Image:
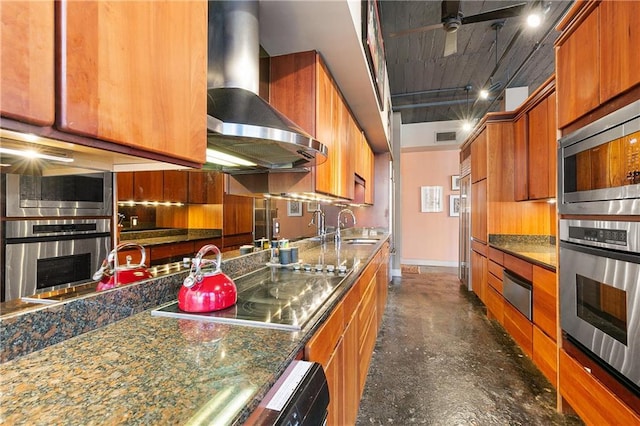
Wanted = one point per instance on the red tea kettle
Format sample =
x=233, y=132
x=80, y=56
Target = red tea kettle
x=207, y=291
x=112, y=275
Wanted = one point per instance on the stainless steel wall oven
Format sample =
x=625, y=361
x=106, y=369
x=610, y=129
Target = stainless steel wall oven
x=599, y=166
x=600, y=293
x=44, y=255
x=88, y=194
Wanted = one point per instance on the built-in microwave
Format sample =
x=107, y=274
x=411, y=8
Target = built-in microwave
x=68, y=195
x=599, y=166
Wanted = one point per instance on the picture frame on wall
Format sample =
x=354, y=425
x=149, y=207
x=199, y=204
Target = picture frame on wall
x=294, y=208
x=454, y=205
x=312, y=206
x=455, y=183
x=374, y=46
x=430, y=199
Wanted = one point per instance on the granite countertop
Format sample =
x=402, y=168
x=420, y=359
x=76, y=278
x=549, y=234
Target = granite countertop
x=158, y=237
x=153, y=370
x=537, y=249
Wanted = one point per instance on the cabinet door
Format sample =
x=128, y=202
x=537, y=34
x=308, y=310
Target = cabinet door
x=521, y=160
x=124, y=181
x=134, y=73
x=206, y=187
x=27, y=61
x=479, y=157
x=324, y=129
x=619, y=38
x=577, y=75
x=148, y=186
x=335, y=381
x=237, y=215
x=175, y=186
x=538, y=149
x=545, y=301
x=479, y=275
x=351, y=394
x=479, y=210
x=552, y=144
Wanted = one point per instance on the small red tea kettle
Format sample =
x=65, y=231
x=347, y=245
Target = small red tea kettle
x=207, y=291
x=112, y=275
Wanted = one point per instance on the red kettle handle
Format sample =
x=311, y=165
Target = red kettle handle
x=195, y=273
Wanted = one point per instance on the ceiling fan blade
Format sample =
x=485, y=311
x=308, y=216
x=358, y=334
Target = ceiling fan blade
x=417, y=30
x=495, y=14
x=450, y=43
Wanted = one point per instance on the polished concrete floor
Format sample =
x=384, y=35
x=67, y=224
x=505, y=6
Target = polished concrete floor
x=438, y=360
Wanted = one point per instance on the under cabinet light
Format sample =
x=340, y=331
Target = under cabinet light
x=30, y=153
x=217, y=157
x=131, y=203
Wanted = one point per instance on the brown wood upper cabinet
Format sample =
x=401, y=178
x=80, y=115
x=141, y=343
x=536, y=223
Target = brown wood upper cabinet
x=205, y=187
x=535, y=152
x=27, y=61
x=594, y=62
x=479, y=157
x=134, y=73
x=168, y=185
x=302, y=89
x=364, y=165
x=237, y=215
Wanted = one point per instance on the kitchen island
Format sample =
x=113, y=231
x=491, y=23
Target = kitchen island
x=153, y=370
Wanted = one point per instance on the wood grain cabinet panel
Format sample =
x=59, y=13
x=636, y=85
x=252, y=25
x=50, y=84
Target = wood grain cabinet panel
x=206, y=187
x=134, y=73
x=521, y=159
x=174, y=250
x=619, y=37
x=538, y=151
x=351, y=394
x=519, y=327
x=124, y=182
x=237, y=217
x=495, y=305
x=579, y=55
x=479, y=211
x=519, y=266
x=478, y=275
x=148, y=186
x=594, y=403
x=175, y=186
x=495, y=282
x=545, y=355
x=321, y=346
x=27, y=82
x=479, y=157
x=545, y=301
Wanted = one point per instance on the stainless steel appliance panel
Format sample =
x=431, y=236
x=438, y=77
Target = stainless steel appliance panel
x=45, y=255
x=517, y=291
x=464, y=267
x=599, y=166
x=599, y=295
x=68, y=195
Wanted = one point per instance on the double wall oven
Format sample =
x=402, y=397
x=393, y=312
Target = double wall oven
x=599, y=257
x=56, y=230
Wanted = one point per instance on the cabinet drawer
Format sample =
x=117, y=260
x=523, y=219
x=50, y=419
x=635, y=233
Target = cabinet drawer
x=496, y=255
x=479, y=247
x=324, y=341
x=367, y=306
x=593, y=402
x=496, y=270
x=352, y=300
x=545, y=355
x=519, y=266
x=495, y=305
x=495, y=282
x=545, y=301
x=171, y=250
x=519, y=328
x=368, y=339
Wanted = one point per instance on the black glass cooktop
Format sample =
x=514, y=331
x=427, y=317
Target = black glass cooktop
x=271, y=297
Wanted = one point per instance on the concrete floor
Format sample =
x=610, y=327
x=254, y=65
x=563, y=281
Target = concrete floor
x=438, y=360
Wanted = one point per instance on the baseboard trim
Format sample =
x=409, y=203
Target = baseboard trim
x=424, y=262
x=396, y=272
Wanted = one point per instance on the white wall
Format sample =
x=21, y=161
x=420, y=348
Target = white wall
x=421, y=136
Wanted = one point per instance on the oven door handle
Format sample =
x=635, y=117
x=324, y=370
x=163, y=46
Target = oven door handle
x=599, y=252
x=29, y=240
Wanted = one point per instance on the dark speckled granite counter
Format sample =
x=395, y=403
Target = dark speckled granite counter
x=537, y=249
x=152, y=370
x=166, y=236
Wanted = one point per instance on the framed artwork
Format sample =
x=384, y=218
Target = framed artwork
x=455, y=183
x=454, y=205
x=312, y=206
x=294, y=208
x=374, y=46
x=430, y=199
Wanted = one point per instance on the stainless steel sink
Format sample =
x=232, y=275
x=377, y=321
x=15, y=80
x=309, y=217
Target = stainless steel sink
x=360, y=241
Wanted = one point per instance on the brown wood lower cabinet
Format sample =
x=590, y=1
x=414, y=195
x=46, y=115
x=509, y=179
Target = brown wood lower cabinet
x=344, y=343
x=545, y=355
x=479, y=272
x=594, y=403
x=519, y=327
x=495, y=305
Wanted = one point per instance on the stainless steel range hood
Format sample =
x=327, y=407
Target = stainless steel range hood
x=239, y=122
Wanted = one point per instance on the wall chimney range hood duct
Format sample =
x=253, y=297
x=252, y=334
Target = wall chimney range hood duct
x=239, y=122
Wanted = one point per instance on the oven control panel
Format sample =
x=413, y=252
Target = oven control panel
x=598, y=235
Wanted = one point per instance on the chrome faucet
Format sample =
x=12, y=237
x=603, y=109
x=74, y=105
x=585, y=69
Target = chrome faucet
x=353, y=216
x=317, y=219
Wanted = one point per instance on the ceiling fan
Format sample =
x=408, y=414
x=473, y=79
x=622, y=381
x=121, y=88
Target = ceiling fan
x=452, y=17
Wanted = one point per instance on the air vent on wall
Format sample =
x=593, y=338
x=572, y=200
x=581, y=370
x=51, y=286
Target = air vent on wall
x=446, y=137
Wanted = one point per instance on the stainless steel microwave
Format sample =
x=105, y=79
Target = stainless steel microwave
x=87, y=194
x=599, y=166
